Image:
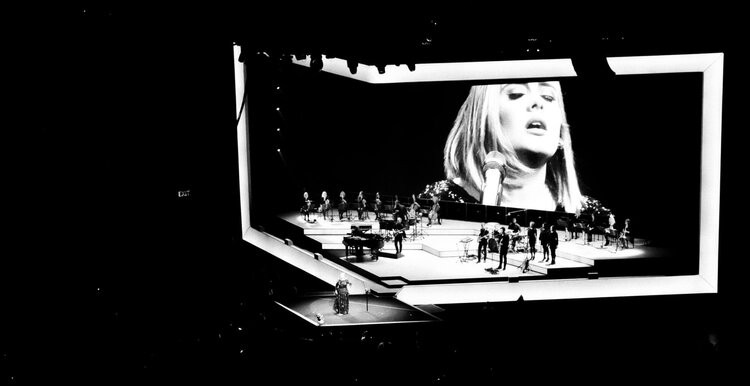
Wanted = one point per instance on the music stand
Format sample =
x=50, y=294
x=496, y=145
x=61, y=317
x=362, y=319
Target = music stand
x=465, y=257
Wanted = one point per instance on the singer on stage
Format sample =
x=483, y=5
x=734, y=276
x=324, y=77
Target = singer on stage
x=510, y=145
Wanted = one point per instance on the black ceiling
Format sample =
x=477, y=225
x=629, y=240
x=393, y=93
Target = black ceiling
x=372, y=35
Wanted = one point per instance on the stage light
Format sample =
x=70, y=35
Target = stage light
x=278, y=150
x=278, y=109
x=278, y=129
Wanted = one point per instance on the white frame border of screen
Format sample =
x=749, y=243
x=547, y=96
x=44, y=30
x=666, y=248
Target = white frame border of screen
x=711, y=65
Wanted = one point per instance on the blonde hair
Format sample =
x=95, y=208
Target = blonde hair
x=477, y=131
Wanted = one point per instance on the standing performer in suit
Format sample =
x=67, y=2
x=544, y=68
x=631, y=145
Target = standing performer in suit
x=552, y=243
x=504, y=241
x=483, y=235
x=306, y=206
x=398, y=236
x=532, y=240
x=544, y=237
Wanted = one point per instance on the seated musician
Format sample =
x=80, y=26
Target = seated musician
x=399, y=210
x=356, y=232
x=514, y=230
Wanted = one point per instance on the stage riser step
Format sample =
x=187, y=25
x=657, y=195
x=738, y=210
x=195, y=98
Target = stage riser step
x=576, y=258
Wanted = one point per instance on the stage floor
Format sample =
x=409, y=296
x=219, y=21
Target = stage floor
x=436, y=253
x=363, y=310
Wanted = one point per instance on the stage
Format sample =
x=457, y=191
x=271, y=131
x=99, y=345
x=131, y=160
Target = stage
x=446, y=253
x=363, y=310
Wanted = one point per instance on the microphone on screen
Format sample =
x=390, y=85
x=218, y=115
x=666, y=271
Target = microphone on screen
x=494, y=174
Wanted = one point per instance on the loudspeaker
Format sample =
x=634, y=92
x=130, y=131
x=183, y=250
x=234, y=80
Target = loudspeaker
x=288, y=242
x=318, y=256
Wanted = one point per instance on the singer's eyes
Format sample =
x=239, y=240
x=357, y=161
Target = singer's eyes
x=514, y=95
x=549, y=98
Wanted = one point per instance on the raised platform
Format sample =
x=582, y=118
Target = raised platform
x=363, y=310
x=436, y=254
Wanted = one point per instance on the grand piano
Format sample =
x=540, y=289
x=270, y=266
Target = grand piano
x=373, y=241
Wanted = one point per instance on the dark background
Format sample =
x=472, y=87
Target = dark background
x=108, y=277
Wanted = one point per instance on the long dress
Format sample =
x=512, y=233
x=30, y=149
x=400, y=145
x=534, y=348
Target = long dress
x=341, y=305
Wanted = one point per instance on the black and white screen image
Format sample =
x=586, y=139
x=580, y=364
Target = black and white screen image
x=612, y=164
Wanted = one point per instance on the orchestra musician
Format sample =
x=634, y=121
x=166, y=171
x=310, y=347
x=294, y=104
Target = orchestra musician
x=306, y=206
x=625, y=233
x=589, y=234
x=361, y=205
x=398, y=235
x=483, y=238
x=611, y=230
x=399, y=210
x=325, y=204
x=413, y=209
x=343, y=205
x=378, y=205
x=515, y=233
x=434, y=214
x=356, y=232
x=576, y=226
